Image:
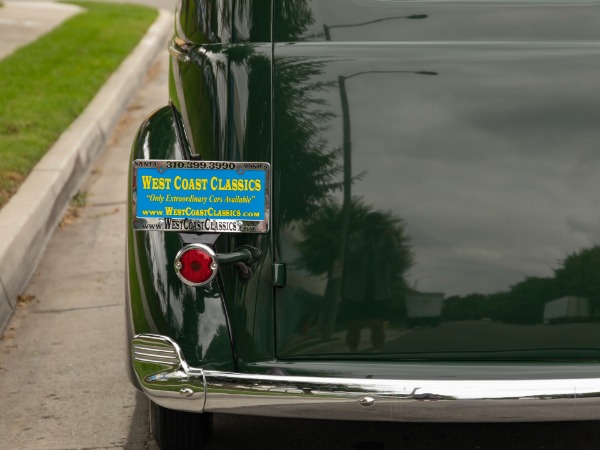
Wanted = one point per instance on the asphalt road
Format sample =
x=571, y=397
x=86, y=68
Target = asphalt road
x=62, y=359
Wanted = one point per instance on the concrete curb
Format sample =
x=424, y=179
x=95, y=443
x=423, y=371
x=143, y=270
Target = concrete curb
x=28, y=220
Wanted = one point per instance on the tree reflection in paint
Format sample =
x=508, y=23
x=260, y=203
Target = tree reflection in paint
x=574, y=289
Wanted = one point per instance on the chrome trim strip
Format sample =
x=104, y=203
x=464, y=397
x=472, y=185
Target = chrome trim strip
x=152, y=359
x=173, y=386
x=151, y=349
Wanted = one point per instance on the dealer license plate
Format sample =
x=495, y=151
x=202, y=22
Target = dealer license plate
x=201, y=196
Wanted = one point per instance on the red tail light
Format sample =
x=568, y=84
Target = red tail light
x=196, y=264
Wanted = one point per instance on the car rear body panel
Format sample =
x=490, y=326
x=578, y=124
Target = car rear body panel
x=434, y=187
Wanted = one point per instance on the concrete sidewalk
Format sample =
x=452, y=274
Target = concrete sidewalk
x=28, y=220
x=23, y=22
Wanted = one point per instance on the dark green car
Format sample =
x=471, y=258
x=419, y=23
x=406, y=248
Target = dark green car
x=370, y=210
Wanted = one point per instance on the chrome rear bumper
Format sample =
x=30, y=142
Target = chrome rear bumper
x=167, y=379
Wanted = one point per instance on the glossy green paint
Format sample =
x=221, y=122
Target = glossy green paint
x=444, y=21
x=222, y=22
x=443, y=199
x=158, y=301
x=223, y=95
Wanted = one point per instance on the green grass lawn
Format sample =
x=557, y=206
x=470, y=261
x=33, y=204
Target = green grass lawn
x=47, y=84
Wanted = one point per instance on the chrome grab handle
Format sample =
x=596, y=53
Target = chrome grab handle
x=241, y=258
